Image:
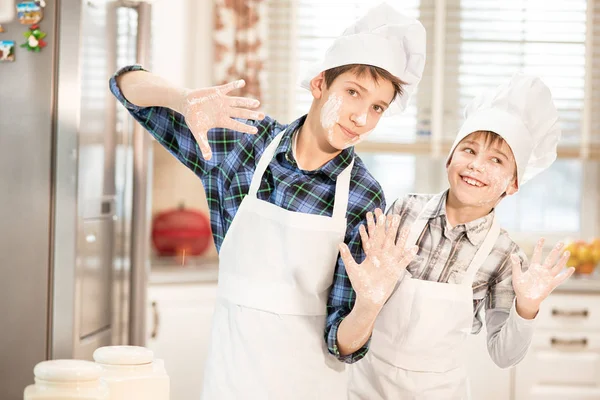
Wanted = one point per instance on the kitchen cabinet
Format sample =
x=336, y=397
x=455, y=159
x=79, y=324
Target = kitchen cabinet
x=564, y=359
x=563, y=362
x=179, y=316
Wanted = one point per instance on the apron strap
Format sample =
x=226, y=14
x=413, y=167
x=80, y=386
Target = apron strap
x=482, y=253
x=485, y=248
x=342, y=187
x=342, y=191
x=418, y=225
x=263, y=163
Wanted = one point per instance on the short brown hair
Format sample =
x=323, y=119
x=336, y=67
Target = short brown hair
x=361, y=69
x=489, y=137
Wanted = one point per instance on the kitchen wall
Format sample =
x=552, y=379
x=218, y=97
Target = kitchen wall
x=182, y=53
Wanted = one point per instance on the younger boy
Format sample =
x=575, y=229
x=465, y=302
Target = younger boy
x=465, y=262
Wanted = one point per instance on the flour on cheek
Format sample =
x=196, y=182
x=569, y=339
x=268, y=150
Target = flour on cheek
x=496, y=178
x=330, y=114
x=357, y=140
x=498, y=183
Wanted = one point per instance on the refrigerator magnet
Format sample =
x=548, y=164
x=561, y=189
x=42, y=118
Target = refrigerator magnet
x=7, y=50
x=29, y=12
x=34, y=39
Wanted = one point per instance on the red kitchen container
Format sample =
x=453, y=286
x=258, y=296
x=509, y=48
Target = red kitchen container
x=181, y=231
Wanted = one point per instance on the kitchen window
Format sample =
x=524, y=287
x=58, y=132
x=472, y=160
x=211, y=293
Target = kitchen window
x=471, y=45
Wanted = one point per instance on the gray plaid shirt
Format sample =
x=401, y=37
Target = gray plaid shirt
x=443, y=248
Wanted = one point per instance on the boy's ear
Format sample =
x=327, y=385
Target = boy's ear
x=449, y=160
x=318, y=85
x=512, y=188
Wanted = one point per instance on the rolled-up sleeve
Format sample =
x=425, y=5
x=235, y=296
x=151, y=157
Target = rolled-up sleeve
x=342, y=296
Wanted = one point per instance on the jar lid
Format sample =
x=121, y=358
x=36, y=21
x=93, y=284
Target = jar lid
x=67, y=370
x=123, y=355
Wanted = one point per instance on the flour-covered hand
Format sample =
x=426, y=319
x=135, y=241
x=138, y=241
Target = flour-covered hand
x=540, y=279
x=209, y=108
x=375, y=278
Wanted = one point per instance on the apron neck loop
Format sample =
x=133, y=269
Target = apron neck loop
x=342, y=190
x=485, y=248
x=342, y=187
x=483, y=251
x=263, y=163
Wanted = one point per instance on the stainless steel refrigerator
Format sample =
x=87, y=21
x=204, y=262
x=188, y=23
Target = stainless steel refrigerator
x=74, y=190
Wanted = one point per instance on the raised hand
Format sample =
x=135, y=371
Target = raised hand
x=375, y=278
x=534, y=285
x=209, y=108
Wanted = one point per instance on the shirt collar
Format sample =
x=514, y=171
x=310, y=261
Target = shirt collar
x=331, y=169
x=476, y=230
x=437, y=207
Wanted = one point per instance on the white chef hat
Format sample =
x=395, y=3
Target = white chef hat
x=523, y=113
x=383, y=38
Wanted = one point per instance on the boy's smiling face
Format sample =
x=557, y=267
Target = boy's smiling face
x=350, y=107
x=481, y=170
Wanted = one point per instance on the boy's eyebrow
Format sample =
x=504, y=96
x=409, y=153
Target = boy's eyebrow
x=471, y=142
x=366, y=90
x=501, y=153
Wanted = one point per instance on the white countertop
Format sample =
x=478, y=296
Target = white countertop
x=167, y=271
x=581, y=284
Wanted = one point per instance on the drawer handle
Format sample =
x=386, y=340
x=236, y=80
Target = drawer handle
x=155, y=320
x=575, y=313
x=571, y=343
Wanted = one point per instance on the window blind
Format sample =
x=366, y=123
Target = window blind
x=489, y=40
x=484, y=43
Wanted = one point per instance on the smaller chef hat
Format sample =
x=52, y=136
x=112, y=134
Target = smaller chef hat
x=523, y=113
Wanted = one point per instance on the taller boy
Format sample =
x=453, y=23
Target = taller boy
x=282, y=200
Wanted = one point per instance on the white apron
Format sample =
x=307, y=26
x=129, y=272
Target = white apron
x=418, y=344
x=275, y=271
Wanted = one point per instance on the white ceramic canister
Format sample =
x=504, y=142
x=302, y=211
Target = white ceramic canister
x=131, y=372
x=67, y=380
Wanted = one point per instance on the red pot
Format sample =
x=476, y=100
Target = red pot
x=181, y=231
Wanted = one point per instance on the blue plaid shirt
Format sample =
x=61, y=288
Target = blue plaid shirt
x=227, y=175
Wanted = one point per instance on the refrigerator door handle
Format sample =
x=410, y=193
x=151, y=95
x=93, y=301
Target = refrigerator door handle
x=142, y=197
x=155, y=320
x=141, y=145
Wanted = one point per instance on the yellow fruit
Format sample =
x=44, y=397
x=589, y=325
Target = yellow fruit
x=595, y=255
x=572, y=249
x=569, y=247
x=573, y=262
x=595, y=245
x=580, y=247
x=585, y=254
